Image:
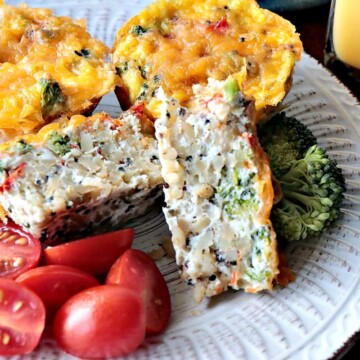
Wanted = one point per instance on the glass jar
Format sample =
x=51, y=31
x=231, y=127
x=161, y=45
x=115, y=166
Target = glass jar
x=342, y=49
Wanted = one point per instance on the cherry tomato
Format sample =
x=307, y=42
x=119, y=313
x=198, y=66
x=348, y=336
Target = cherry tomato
x=22, y=318
x=55, y=284
x=94, y=255
x=19, y=251
x=137, y=271
x=104, y=321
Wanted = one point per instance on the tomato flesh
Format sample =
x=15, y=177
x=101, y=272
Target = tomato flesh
x=136, y=270
x=19, y=251
x=104, y=321
x=55, y=284
x=22, y=318
x=94, y=255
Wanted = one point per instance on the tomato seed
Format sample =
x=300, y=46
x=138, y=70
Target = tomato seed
x=4, y=235
x=10, y=238
x=2, y=296
x=17, y=261
x=17, y=306
x=5, y=338
x=21, y=241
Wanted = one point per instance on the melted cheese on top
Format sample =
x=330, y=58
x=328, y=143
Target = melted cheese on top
x=177, y=44
x=38, y=47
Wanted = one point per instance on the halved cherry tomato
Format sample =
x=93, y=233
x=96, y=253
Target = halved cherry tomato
x=55, y=284
x=22, y=318
x=137, y=271
x=94, y=255
x=104, y=321
x=19, y=251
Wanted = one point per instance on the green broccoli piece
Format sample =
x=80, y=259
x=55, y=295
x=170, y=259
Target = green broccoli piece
x=59, y=144
x=52, y=98
x=312, y=194
x=284, y=139
x=22, y=147
x=312, y=185
x=238, y=195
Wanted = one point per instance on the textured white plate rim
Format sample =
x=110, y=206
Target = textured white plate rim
x=332, y=332
x=355, y=103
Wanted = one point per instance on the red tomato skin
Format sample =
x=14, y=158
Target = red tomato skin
x=137, y=271
x=104, y=321
x=22, y=318
x=94, y=254
x=29, y=253
x=55, y=284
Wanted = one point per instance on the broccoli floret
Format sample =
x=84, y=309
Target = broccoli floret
x=285, y=140
x=313, y=190
x=312, y=185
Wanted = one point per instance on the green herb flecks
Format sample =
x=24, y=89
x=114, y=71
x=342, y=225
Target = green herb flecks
x=138, y=30
x=122, y=68
x=143, y=90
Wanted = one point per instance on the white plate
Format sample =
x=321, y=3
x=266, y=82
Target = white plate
x=312, y=317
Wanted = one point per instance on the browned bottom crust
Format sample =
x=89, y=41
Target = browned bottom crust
x=123, y=97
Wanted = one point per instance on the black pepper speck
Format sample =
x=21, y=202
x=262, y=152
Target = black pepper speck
x=181, y=111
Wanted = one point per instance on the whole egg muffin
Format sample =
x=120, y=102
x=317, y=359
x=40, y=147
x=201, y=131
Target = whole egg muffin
x=49, y=67
x=177, y=44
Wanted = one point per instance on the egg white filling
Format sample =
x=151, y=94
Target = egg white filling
x=91, y=177
x=212, y=193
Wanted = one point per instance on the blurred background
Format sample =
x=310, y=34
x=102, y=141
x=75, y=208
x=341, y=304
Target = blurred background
x=310, y=18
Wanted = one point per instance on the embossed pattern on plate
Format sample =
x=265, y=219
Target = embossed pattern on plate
x=312, y=317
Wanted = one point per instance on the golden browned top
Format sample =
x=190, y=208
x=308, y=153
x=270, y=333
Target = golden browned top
x=49, y=66
x=177, y=43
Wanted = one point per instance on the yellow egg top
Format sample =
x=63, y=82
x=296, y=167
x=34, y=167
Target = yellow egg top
x=178, y=43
